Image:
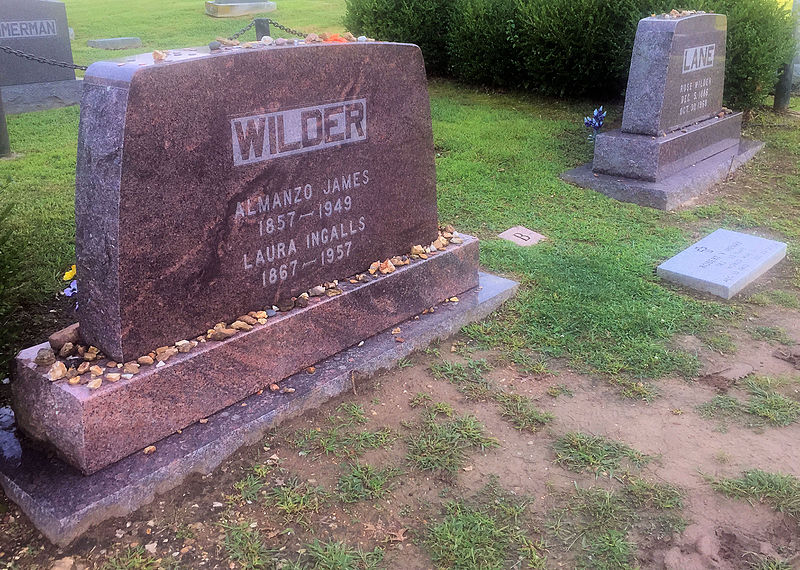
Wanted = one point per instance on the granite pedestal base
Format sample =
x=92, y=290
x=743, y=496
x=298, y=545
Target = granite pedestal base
x=219, y=9
x=674, y=191
x=41, y=96
x=91, y=429
x=655, y=158
x=63, y=503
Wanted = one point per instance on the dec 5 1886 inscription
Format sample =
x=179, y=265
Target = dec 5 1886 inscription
x=228, y=182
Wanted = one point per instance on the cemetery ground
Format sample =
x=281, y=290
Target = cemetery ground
x=602, y=419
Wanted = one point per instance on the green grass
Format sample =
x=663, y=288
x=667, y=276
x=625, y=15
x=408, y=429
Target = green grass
x=583, y=452
x=520, y=411
x=249, y=488
x=722, y=343
x=597, y=521
x=245, y=546
x=132, y=559
x=349, y=414
x=765, y=406
x=608, y=551
x=336, y=555
x=442, y=444
x=488, y=531
x=771, y=334
x=781, y=492
x=764, y=563
x=297, y=500
x=786, y=299
x=185, y=25
x=362, y=482
x=340, y=441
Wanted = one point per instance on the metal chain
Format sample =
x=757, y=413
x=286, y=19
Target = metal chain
x=285, y=29
x=243, y=30
x=32, y=57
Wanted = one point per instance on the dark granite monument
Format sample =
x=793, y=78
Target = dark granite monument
x=676, y=139
x=231, y=233
x=38, y=27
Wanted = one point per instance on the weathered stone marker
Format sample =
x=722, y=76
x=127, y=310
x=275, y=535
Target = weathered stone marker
x=676, y=138
x=215, y=192
x=521, y=235
x=723, y=263
x=38, y=27
x=205, y=196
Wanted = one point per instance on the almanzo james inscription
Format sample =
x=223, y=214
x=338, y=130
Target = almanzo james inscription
x=220, y=194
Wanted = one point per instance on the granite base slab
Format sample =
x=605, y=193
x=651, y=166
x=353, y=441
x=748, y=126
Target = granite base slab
x=62, y=503
x=235, y=9
x=94, y=428
x=645, y=157
x=674, y=191
x=41, y=96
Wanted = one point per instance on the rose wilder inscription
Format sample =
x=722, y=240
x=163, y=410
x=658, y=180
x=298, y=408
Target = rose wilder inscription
x=204, y=191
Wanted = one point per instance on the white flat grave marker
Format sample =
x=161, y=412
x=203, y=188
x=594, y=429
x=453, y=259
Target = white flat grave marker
x=723, y=263
x=521, y=235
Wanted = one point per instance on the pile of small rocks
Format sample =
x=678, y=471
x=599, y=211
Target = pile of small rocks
x=67, y=359
x=672, y=14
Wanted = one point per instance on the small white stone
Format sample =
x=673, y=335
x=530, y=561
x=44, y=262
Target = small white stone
x=151, y=548
x=361, y=38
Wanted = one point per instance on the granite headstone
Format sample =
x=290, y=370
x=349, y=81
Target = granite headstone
x=676, y=139
x=723, y=263
x=38, y=27
x=677, y=73
x=205, y=189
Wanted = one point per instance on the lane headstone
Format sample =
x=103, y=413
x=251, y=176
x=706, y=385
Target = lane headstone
x=723, y=263
x=676, y=140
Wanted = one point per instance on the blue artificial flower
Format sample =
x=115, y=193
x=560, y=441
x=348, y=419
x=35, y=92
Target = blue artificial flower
x=72, y=289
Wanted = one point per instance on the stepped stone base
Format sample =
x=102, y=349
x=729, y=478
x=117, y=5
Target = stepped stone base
x=217, y=9
x=674, y=191
x=41, y=96
x=63, y=503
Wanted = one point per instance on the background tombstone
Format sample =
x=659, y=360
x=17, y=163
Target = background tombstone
x=37, y=27
x=676, y=139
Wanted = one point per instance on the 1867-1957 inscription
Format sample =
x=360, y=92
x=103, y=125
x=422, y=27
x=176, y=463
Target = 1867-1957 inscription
x=313, y=222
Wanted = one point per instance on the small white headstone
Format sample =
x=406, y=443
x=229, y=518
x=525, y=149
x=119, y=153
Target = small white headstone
x=723, y=263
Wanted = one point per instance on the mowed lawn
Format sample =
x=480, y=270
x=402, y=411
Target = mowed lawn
x=589, y=293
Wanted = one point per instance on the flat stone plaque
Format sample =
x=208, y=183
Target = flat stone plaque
x=723, y=262
x=521, y=235
x=37, y=27
x=213, y=184
x=677, y=73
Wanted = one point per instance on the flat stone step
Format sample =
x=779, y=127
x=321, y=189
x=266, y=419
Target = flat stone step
x=672, y=192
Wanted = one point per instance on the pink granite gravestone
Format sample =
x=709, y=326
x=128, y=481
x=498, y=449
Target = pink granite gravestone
x=216, y=183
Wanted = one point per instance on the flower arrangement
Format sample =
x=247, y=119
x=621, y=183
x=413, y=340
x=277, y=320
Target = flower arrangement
x=595, y=122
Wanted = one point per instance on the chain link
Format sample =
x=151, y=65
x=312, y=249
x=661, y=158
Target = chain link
x=285, y=29
x=48, y=61
x=243, y=30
